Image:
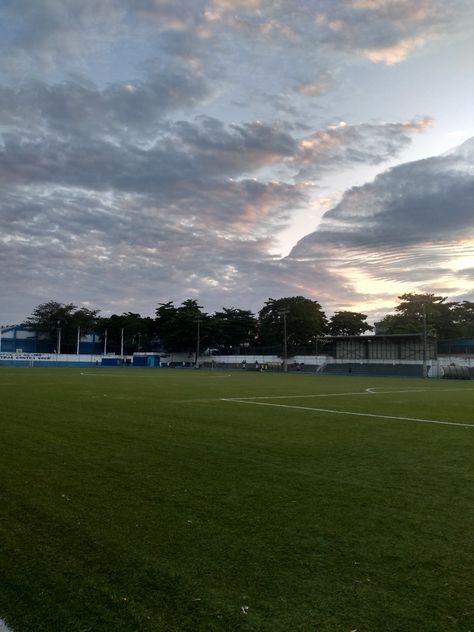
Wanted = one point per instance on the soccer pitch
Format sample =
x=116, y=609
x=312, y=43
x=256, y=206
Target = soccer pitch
x=178, y=500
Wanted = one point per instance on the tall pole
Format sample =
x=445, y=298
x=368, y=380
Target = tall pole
x=78, y=339
x=105, y=342
x=425, y=341
x=59, y=339
x=284, y=313
x=198, y=340
x=121, y=345
x=1, y=329
x=422, y=303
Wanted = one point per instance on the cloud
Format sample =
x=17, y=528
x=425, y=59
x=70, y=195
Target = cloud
x=45, y=32
x=380, y=30
x=107, y=248
x=410, y=227
x=172, y=167
x=213, y=241
x=237, y=149
x=74, y=134
x=92, y=190
x=139, y=216
x=413, y=202
x=78, y=107
x=47, y=35
x=174, y=15
x=165, y=143
x=388, y=30
x=314, y=89
x=343, y=145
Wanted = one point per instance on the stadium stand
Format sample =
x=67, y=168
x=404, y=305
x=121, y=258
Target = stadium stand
x=373, y=369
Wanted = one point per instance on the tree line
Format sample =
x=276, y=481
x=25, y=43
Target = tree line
x=178, y=328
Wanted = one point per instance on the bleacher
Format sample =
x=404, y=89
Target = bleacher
x=373, y=369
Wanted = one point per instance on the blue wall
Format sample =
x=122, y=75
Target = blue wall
x=11, y=342
x=46, y=363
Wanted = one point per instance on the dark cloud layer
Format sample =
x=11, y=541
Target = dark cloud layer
x=344, y=145
x=413, y=221
x=411, y=203
x=124, y=179
x=78, y=107
x=50, y=33
x=73, y=134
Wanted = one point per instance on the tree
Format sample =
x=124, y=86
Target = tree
x=463, y=319
x=348, y=324
x=48, y=318
x=165, y=313
x=305, y=321
x=45, y=317
x=138, y=332
x=398, y=324
x=86, y=319
x=232, y=328
x=177, y=327
x=414, y=309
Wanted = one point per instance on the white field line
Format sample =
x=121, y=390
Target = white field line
x=374, y=391
x=238, y=399
x=367, y=391
x=295, y=396
x=191, y=401
x=347, y=412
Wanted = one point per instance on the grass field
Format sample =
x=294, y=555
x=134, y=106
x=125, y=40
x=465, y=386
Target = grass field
x=179, y=500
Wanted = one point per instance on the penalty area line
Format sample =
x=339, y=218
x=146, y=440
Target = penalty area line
x=374, y=390
x=367, y=391
x=254, y=397
x=351, y=413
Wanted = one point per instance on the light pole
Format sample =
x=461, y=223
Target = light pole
x=59, y=338
x=121, y=345
x=198, y=341
x=425, y=342
x=422, y=303
x=78, y=340
x=105, y=342
x=284, y=313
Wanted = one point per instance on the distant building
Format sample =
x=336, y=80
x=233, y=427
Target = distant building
x=20, y=339
x=381, y=347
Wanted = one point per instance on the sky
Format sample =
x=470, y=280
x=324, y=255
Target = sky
x=232, y=151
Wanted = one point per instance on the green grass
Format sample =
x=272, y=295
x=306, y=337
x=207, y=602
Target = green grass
x=138, y=500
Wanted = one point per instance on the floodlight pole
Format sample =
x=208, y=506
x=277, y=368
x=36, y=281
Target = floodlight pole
x=59, y=338
x=105, y=342
x=425, y=336
x=284, y=313
x=121, y=345
x=78, y=340
x=1, y=330
x=425, y=341
x=198, y=340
